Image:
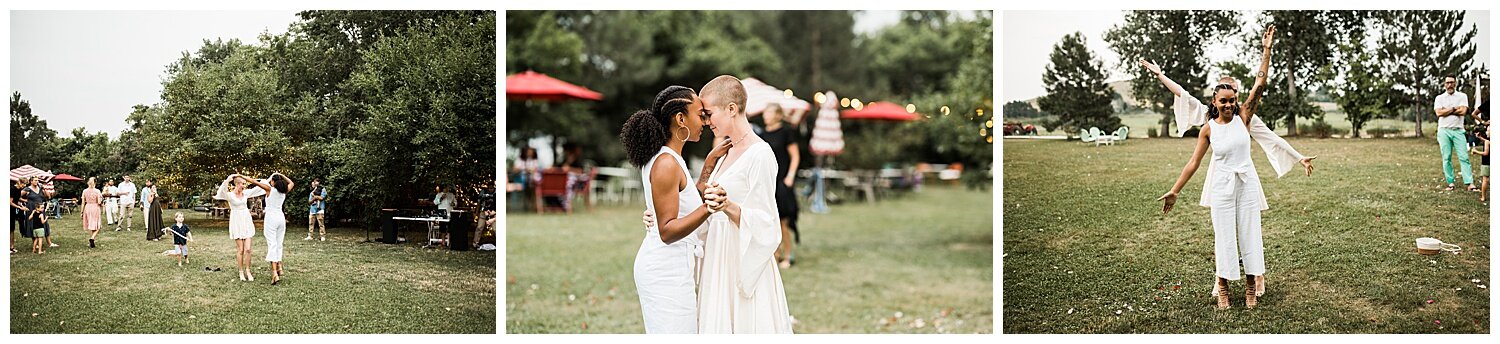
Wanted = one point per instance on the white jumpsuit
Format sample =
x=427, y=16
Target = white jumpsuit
x=666, y=275
x=1235, y=200
x=275, y=225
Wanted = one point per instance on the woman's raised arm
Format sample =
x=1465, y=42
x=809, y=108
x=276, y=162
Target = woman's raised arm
x=1252, y=101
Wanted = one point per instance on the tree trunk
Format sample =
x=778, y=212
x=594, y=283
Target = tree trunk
x=1417, y=112
x=1291, y=91
x=1166, y=124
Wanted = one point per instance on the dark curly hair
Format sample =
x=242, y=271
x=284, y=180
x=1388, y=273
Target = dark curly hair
x=280, y=183
x=647, y=130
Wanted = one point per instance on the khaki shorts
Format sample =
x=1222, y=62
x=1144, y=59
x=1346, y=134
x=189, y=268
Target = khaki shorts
x=1484, y=170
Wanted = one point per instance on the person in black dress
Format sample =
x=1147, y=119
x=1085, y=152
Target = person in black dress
x=17, y=213
x=783, y=141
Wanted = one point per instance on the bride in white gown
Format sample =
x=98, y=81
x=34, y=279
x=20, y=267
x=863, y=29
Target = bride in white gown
x=740, y=290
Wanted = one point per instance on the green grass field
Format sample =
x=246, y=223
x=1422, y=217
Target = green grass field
x=1087, y=249
x=342, y=285
x=927, y=257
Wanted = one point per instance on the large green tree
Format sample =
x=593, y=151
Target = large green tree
x=1306, y=41
x=1364, y=93
x=431, y=109
x=1175, y=41
x=1077, y=87
x=1418, y=49
x=31, y=141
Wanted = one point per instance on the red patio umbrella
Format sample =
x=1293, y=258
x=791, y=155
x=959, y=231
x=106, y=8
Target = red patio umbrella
x=533, y=85
x=879, y=111
x=65, y=176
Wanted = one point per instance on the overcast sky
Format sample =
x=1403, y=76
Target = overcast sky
x=87, y=68
x=1029, y=36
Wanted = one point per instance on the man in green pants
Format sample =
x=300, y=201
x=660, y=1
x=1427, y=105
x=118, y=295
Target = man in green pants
x=1451, y=106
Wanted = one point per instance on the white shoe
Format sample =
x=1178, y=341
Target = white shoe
x=242, y=275
x=51, y=245
x=307, y=238
x=250, y=276
x=322, y=238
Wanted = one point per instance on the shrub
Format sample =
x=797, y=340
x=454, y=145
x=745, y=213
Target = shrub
x=1320, y=129
x=1382, y=132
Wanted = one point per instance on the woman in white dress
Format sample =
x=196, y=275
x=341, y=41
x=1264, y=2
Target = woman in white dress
x=1232, y=189
x=741, y=290
x=241, y=224
x=666, y=263
x=275, y=223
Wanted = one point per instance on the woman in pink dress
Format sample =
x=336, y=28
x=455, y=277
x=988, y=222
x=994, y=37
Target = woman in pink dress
x=92, y=200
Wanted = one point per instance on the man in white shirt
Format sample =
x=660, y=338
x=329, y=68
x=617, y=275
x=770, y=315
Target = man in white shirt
x=111, y=202
x=1451, y=107
x=443, y=200
x=126, y=190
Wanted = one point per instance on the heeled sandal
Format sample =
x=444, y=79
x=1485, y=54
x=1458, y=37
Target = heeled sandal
x=1250, y=301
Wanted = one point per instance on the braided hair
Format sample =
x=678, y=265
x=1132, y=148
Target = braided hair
x=647, y=130
x=1213, y=109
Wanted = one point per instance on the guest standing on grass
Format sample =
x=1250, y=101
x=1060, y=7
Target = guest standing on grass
x=181, y=235
x=36, y=203
x=316, y=207
x=111, y=202
x=1451, y=106
x=237, y=192
x=151, y=207
x=18, y=211
x=275, y=223
x=1232, y=190
x=783, y=141
x=92, y=200
x=126, y=193
x=1484, y=162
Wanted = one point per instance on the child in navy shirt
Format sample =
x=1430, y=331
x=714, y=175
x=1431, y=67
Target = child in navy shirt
x=181, y=235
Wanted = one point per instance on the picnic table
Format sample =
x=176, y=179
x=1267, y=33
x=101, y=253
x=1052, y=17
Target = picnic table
x=432, y=226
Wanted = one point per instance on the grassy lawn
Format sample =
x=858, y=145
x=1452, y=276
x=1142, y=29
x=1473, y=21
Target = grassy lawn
x=1087, y=250
x=926, y=257
x=342, y=285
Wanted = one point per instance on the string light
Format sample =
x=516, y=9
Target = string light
x=945, y=110
x=989, y=139
x=820, y=97
x=911, y=108
x=844, y=102
x=787, y=93
x=979, y=112
x=858, y=105
x=989, y=124
x=983, y=132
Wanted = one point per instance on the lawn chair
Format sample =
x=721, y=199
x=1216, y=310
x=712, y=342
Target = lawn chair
x=554, y=184
x=1084, y=136
x=1121, y=134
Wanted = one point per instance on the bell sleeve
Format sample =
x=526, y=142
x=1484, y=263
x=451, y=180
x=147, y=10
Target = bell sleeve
x=1189, y=112
x=223, y=191
x=1281, y=154
x=760, y=225
x=254, y=192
